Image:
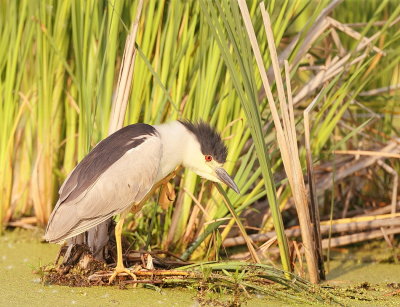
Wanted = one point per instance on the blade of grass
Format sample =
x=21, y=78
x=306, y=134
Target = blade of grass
x=231, y=209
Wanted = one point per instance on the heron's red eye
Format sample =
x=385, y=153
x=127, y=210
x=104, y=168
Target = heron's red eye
x=208, y=158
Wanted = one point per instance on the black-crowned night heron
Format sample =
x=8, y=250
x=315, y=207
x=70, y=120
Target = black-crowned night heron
x=124, y=168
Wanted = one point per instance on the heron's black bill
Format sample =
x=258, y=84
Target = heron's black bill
x=225, y=178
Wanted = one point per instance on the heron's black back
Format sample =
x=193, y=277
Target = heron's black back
x=107, y=152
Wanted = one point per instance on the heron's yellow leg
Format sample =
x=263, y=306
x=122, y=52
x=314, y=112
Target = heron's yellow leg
x=120, y=265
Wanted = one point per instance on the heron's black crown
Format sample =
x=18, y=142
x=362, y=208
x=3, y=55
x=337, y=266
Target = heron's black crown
x=209, y=139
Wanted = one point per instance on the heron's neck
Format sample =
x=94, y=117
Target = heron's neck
x=175, y=139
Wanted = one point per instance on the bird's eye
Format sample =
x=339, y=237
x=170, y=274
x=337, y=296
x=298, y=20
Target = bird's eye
x=208, y=158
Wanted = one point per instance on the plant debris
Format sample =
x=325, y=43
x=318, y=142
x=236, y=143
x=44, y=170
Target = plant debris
x=238, y=279
x=84, y=270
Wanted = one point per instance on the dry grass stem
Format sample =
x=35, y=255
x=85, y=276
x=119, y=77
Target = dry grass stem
x=380, y=90
x=366, y=218
x=123, y=89
x=319, y=26
x=338, y=226
x=395, y=187
x=291, y=159
x=197, y=203
x=338, y=43
x=352, y=33
x=367, y=153
x=358, y=237
x=315, y=216
x=247, y=239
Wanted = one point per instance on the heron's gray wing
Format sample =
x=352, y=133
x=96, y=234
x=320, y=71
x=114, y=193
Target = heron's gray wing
x=118, y=172
x=107, y=152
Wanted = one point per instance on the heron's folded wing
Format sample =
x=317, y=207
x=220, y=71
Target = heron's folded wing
x=118, y=173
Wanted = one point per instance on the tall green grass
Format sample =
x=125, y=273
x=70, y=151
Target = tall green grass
x=59, y=62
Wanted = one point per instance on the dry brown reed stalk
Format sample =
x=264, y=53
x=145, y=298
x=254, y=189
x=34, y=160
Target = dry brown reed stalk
x=286, y=135
x=291, y=159
x=123, y=89
x=315, y=217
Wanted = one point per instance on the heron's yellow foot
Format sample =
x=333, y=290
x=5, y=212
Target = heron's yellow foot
x=118, y=270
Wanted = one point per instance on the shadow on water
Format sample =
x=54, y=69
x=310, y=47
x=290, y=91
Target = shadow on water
x=344, y=267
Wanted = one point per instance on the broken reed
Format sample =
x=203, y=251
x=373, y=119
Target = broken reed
x=286, y=135
x=57, y=91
